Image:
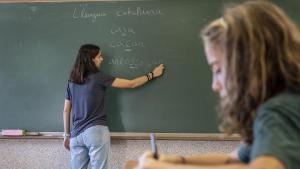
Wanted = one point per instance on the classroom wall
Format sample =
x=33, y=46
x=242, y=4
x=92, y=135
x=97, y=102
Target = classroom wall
x=50, y=154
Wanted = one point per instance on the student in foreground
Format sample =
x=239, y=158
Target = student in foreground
x=254, y=54
x=89, y=140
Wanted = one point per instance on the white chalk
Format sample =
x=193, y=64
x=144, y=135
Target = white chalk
x=12, y=132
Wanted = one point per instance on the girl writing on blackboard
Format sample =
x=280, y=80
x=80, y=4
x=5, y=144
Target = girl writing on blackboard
x=89, y=139
x=254, y=54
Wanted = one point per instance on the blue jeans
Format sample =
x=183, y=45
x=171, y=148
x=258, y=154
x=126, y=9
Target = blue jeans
x=92, y=145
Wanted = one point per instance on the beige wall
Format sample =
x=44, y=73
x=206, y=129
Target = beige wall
x=50, y=154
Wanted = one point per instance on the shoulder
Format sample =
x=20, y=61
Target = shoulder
x=99, y=74
x=286, y=102
x=278, y=117
x=68, y=84
x=95, y=76
x=276, y=128
x=102, y=78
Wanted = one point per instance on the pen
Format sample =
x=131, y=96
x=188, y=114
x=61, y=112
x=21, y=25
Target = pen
x=153, y=146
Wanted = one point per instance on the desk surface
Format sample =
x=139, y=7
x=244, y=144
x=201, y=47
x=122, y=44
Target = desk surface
x=140, y=136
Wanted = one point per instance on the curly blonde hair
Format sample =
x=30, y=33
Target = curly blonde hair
x=262, y=58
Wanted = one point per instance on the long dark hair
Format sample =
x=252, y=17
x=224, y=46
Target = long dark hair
x=262, y=58
x=84, y=63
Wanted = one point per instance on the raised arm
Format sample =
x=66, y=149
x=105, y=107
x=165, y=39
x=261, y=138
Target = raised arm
x=126, y=83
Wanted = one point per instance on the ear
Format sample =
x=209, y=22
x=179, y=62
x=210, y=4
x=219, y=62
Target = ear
x=94, y=59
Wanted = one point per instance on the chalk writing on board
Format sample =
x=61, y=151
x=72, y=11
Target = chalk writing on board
x=82, y=13
x=125, y=61
x=33, y=8
x=139, y=11
x=134, y=63
x=123, y=31
x=127, y=45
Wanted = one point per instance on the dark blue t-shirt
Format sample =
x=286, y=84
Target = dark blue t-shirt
x=87, y=102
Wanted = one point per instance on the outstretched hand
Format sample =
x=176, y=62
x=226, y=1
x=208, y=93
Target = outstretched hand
x=158, y=71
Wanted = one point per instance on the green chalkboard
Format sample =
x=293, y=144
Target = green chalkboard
x=39, y=42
